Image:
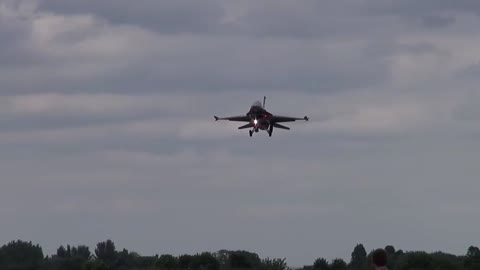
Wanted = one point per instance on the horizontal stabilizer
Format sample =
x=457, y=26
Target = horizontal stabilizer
x=249, y=125
x=280, y=126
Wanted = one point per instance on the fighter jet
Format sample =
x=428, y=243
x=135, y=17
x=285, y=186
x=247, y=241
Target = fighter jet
x=259, y=118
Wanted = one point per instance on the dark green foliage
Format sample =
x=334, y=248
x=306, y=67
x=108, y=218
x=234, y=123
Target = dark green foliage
x=20, y=255
x=274, y=264
x=185, y=261
x=124, y=258
x=166, y=262
x=411, y=260
x=105, y=251
x=70, y=258
x=418, y=260
x=81, y=252
x=444, y=261
x=61, y=252
x=472, y=260
x=95, y=265
x=205, y=261
x=392, y=255
x=242, y=259
x=223, y=257
x=390, y=250
x=435, y=261
x=338, y=264
x=359, y=258
x=320, y=264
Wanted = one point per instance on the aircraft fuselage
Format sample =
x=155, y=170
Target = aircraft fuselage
x=260, y=118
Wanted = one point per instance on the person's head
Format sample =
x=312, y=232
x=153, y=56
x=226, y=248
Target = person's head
x=379, y=258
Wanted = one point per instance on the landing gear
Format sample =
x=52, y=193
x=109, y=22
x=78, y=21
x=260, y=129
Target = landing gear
x=269, y=130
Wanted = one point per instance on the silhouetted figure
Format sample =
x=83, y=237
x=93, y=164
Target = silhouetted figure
x=379, y=259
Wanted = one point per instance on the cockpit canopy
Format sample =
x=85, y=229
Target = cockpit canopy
x=257, y=104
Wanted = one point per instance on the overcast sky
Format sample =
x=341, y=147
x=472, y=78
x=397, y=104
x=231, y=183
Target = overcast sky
x=107, y=131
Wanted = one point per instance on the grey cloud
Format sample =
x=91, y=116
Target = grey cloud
x=169, y=17
x=281, y=18
x=75, y=108
x=387, y=48
x=323, y=20
x=409, y=8
x=418, y=48
x=471, y=72
x=468, y=111
x=275, y=18
x=289, y=19
x=218, y=63
x=437, y=21
x=14, y=35
x=426, y=15
x=210, y=64
x=13, y=31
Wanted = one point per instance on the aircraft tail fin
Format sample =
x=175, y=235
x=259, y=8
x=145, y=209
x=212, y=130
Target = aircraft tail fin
x=264, y=98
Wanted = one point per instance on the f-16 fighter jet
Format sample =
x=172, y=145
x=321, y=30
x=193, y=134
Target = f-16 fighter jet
x=259, y=118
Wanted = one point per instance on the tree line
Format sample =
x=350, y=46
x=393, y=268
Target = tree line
x=400, y=260
x=21, y=255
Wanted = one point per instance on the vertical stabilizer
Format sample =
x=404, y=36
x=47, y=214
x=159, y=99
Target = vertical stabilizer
x=264, y=97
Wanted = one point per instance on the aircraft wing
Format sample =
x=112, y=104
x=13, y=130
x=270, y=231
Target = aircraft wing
x=278, y=119
x=241, y=118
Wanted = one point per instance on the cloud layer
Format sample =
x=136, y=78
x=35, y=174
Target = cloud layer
x=106, y=125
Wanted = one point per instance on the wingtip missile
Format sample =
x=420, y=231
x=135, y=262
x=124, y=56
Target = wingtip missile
x=216, y=118
x=306, y=118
